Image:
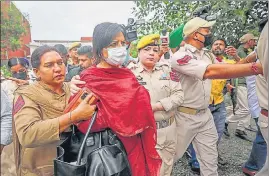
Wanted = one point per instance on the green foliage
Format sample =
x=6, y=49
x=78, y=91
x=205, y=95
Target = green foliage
x=133, y=50
x=5, y=71
x=235, y=17
x=12, y=28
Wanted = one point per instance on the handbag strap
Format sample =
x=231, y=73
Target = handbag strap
x=85, y=138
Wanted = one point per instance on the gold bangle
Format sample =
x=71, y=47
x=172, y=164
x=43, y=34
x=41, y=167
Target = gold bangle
x=70, y=117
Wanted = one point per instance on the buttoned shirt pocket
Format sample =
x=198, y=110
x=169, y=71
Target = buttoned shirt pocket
x=165, y=87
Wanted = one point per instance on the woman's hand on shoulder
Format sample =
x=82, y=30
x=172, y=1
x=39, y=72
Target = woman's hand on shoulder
x=73, y=84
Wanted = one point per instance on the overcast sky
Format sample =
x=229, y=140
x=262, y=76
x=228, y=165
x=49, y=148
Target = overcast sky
x=70, y=20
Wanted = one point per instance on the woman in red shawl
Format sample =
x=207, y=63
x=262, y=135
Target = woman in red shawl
x=124, y=104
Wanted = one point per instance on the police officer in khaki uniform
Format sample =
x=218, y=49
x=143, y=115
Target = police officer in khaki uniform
x=242, y=114
x=262, y=90
x=194, y=120
x=72, y=51
x=38, y=113
x=166, y=95
x=194, y=65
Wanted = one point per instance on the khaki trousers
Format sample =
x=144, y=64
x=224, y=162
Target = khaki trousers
x=242, y=114
x=8, y=167
x=201, y=131
x=263, y=122
x=166, y=147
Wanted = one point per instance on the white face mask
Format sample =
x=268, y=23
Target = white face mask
x=116, y=56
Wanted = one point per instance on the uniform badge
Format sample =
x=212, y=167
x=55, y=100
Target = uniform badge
x=18, y=105
x=174, y=75
x=143, y=83
x=164, y=76
x=184, y=60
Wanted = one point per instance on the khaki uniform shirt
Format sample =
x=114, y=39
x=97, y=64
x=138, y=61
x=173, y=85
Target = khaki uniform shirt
x=161, y=88
x=243, y=53
x=190, y=64
x=37, y=128
x=262, y=80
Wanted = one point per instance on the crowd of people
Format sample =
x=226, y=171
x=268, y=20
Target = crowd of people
x=159, y=107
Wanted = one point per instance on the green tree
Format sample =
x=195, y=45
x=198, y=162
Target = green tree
x=5, y=71
x=12, y=28
x=235, y=18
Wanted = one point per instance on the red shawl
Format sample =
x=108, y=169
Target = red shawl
x=125, y=108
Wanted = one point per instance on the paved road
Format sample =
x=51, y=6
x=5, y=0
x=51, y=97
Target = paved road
x=233, y=149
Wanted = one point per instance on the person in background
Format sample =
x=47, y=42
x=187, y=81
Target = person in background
x=175, y=39
x=128, y=114
x=39, y=120
x=6, y=120
x=85, y=59
x=258, y=153
x=242, y=114
x=7, y=157
x=72, y=51
x=166, y=95
x=262, y=90
x=257, y=156
x=18, y=68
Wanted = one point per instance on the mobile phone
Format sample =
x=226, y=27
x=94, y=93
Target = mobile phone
x=164, y=40
x=81, y=95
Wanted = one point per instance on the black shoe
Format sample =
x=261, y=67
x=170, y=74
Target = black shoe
x=226, y=132
x=242, y=134
x=250, y=128
x=221, y=161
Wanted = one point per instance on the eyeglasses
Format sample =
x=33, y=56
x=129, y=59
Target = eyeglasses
x=116, y=43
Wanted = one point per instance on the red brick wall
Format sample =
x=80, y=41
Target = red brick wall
x=86, y=39
x=26, y=39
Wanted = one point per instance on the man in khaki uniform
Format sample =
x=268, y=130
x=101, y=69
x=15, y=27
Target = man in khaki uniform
x=194, y=65
x=262, y=90
x=72, y=51
x=166, y=95
x=242, y=114
x=194, y=120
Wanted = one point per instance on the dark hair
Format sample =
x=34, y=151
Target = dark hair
x=39, y=52
x=103, y=35
x=61, y=48
x=85, y=50
x=221, y=39
x=16, y=61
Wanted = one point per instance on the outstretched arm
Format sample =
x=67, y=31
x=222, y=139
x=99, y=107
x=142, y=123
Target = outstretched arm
x=225, y=71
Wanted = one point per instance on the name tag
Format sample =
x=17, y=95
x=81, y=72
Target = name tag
x=143, y=83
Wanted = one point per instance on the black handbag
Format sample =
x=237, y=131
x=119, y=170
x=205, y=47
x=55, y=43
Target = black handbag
x=93, y=154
